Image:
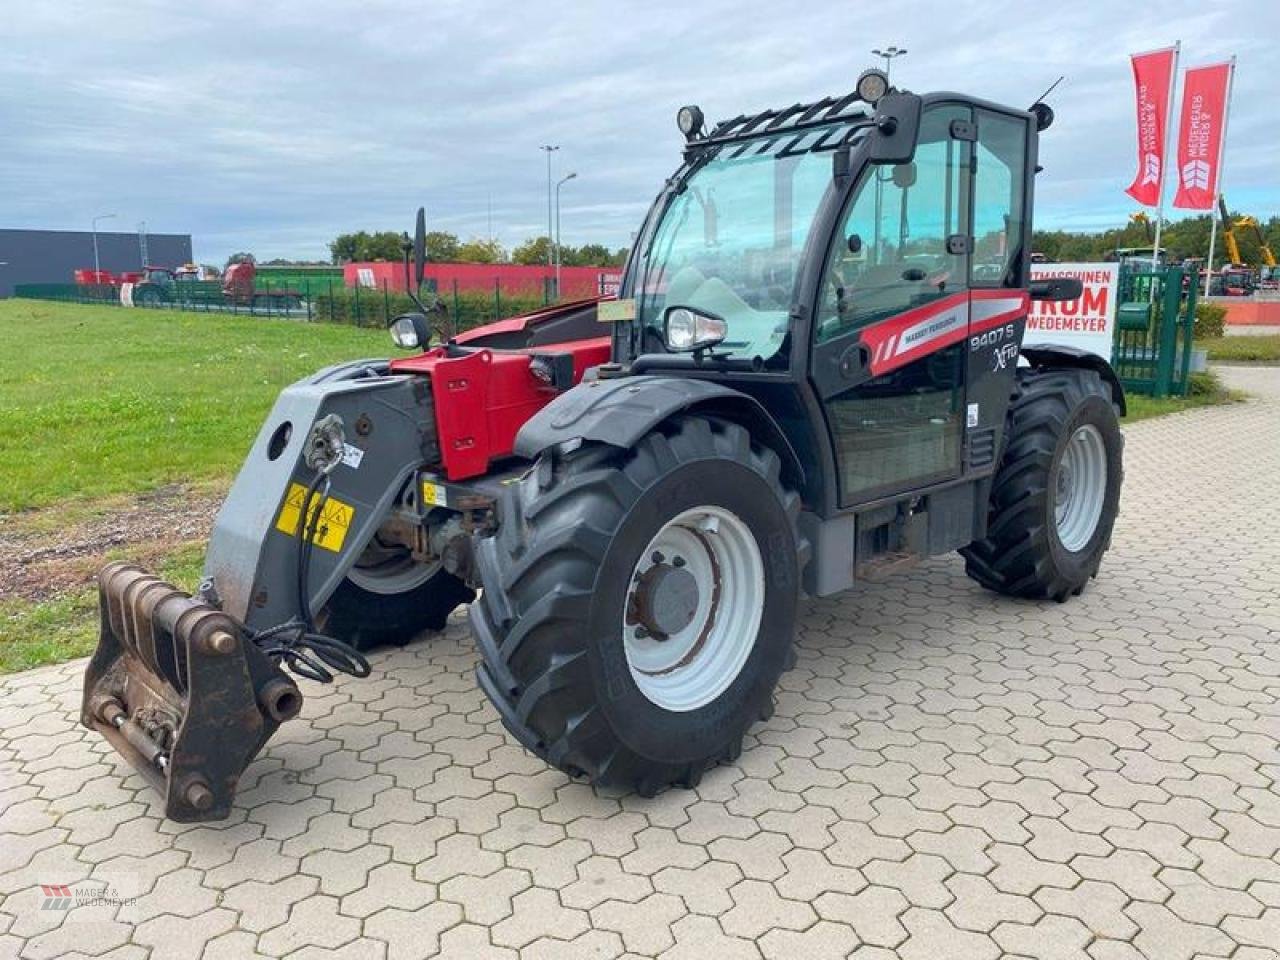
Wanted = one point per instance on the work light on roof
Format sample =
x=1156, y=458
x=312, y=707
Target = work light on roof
x=689, y=120
x=872, y=85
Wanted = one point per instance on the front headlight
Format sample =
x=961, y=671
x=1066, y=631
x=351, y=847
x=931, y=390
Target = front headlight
x=686, y=329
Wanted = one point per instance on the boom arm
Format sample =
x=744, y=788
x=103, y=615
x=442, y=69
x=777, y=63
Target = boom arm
x=1228, y=232
x=1268, y=258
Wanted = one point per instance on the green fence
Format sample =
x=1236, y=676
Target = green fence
x=1155, y=318
x=325, y=300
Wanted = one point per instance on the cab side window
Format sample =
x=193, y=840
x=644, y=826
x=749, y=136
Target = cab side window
x=890, y=253
x=998, y=196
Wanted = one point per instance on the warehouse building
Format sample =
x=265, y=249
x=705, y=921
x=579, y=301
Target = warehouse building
x=52, y=256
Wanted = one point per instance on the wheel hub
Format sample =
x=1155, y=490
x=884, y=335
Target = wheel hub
x=1080, y=489
x=666, y=599
x=694, y=608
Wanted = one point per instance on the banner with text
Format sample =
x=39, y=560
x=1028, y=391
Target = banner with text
x=1087, y=323
x=1152, y=76
x=1204, y=113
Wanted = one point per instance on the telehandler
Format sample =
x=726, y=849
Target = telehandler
x=803, y=383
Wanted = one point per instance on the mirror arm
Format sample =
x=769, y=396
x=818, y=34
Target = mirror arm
x=408, y=282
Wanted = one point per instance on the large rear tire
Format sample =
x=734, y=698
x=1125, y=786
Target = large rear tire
x=636, y=616
x=1057, y=492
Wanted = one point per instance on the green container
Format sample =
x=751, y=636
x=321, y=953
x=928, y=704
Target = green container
x=1134, y=316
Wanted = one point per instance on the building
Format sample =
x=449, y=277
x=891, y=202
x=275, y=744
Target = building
x=52, y=256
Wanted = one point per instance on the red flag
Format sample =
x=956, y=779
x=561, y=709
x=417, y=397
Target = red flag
x=1204, y=119
x=1152, y=75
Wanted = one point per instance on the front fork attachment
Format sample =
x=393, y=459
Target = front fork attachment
x=180, y=692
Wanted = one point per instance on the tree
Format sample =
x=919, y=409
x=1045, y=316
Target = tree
x=478, y=250
x=532, y=251
x=362, y=245
x=442, y=247
x=587, y=255
x=241, y=258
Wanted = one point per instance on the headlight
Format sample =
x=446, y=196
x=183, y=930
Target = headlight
x=689, y=120
x=409, y=331
x=687, y=329
x=872, y=85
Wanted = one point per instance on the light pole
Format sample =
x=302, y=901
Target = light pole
x=560, y=183
x=96, y=267
x=887, y=54
x=550, y=149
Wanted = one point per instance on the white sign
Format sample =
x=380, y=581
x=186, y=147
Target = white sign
x=1089, y=322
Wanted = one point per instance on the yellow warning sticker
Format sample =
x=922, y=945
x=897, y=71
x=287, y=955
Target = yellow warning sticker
x=616, y=311
x=434, y=494
x=331, y=528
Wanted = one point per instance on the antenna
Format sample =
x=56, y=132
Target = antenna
x=1053, y=86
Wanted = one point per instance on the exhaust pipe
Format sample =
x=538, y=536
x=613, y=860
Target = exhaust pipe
x=176, y=688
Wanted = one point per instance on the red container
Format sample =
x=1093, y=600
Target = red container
x=512, y=278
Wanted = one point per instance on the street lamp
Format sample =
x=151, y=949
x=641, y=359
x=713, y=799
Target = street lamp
x=888, y=54
x=96, y=266
x=559, y=184
x=550, y=149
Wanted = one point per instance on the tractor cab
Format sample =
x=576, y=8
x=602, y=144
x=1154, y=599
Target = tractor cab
x=865, y=256
x=162, y=276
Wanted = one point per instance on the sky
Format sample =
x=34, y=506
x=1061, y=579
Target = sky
x=274, y=126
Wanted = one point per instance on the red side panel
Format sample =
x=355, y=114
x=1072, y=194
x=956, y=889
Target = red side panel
x=483, y=398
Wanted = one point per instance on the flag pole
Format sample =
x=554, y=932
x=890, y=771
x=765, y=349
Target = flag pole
x=1164, y=163
x=1222, y=150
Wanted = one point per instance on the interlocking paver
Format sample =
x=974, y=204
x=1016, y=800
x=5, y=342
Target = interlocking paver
x=947, y=774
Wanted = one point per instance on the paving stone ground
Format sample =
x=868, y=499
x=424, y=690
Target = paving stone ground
x=948, y=775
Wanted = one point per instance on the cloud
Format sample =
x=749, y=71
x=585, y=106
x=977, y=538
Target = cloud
x=273, y=127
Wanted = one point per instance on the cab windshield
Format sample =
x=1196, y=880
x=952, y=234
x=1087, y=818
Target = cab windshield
x=730, y=241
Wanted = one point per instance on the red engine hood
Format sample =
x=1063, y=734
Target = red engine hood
x=483, y=396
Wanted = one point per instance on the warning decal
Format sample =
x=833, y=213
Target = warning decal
x=331, y=528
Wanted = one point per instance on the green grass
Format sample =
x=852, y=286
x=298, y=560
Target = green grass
x=97, y=400
x=65, y=627
x=1206, y=391
x=1243, y=349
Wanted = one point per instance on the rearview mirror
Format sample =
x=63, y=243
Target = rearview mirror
x=904, y=175
x=1057, y=288
x=420, y=248
x=854, y=243
x=897, y=125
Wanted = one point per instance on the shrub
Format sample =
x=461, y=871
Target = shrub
x=1204, y=384
x=1210, y=321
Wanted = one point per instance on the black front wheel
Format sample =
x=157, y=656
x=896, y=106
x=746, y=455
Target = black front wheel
x=635, y=620
x=1057, y=492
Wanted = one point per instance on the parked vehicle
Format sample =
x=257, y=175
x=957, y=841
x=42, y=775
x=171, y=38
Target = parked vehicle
x=160, y=286
x=799, y=388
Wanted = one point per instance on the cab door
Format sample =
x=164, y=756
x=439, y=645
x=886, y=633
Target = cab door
x=892, y=318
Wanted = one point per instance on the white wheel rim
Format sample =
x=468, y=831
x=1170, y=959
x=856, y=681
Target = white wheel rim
x=1080, y=488
x=389, y=570
x=689, y=667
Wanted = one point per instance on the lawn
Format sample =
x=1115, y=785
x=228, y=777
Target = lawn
x=97, y=400
x=1206, y=391
x=1243, y=349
